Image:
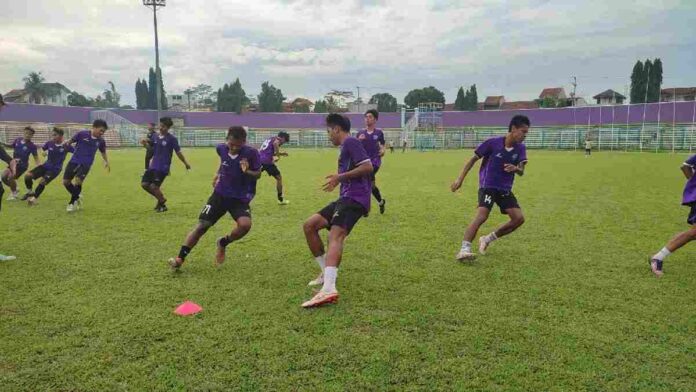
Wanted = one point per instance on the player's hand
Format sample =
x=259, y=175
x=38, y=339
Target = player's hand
x=510, y=168
x=331, y=183
x=244, y=165
x=456, y=185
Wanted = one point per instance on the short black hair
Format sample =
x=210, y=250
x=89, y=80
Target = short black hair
x=30, y=129
x=100, y=124
x=518, y=121
x=167, y=121
x=284, y=135
x=58, y=131
x=237, y=133
x=337, y=120
x=374, y=113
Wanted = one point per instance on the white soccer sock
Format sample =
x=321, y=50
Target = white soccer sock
x=330, y=274
x=321, y=260
x=466, y=245
x=491, y=237
x=662, y=254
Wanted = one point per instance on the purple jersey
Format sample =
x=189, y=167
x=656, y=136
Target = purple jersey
x=372, y=143
x=22, y=150
x=231, y=182
x=86, y=147
x=690, y=188
x=267, y=150
x=358, y=189
x=56, y=155
x=495, y=155
x=164, y=147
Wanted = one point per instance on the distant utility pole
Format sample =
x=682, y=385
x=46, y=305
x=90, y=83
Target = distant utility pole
x=158, y=89
x=358, y=87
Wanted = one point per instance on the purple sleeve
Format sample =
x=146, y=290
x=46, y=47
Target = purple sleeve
x=691, y=161
x=45, y=146
x=175, y=144
x=356, y=151
x=102, y=145
x=69, y=148
x=220, y=150
x=484, y=149
x=523, y=154
x=381, y=138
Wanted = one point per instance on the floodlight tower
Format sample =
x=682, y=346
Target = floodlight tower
x=158, y=90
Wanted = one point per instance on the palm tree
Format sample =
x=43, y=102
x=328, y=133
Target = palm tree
x=34, y=85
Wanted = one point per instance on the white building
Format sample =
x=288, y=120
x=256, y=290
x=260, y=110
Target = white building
x=678, y=94
x=56, y=95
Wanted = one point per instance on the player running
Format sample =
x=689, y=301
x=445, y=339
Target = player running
x=340, y=216
x=503, y=158
x=234, y=187
x=372, y=139
x=270, y=153
x=86, y=145
x=681, y=239
x=23, y=148
x=163, y=145
x=55, y=151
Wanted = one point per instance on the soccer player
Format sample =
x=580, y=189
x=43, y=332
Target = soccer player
x=588, y=147
x=5, y=157
x=270, y=153
x=23, y=148
x=689, y=199
x=164, y=145
x=56, y=152
x=372, y=139
x=340, y=216
x=86, y=145
x=503, y=158
x=148, y=144
x=234, y=187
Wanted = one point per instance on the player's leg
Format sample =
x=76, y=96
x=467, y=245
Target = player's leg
x=29, y=183
x=211, y=213
x=77, y=190
x=242, y=217
x=674, y=244
x=465, y=253
x=156, y=191
x=312, y=227
x=376, y=193
x=2, y=192
x=279, y=189
x=510, y=207
x=43, y=181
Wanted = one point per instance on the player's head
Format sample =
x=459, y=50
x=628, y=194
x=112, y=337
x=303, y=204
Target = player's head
x=236, y=138
x=57, y=134
x=151, y=127
x=338, y=127
x=165, y=124
x=284, y=137
x=371, y=117
x=29, y=133
x=99, y=127
x=518, y=128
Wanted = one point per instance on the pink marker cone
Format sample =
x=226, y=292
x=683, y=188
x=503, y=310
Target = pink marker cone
x=187, y=308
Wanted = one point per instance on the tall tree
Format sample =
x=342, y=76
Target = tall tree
x=424, y=95
x=637, y=91
x=151, y=92
x=138, y=96
x=77, y=99
x=112, y=99
x=473, y=98
x=385, y=102
x=320, y=106
x=655, y=81
x=238, y=97
x=460, y=102
x=271, y=98
x=163, y=94
x=647, y=75
x=35, y=87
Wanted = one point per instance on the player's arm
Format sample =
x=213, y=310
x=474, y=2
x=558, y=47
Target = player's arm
x=107, y=166
x=467, y=168
x=688, y=170
x=182, y=158
x=517, y=169
x=362, y=169
x=246, y=169
x=276, y=150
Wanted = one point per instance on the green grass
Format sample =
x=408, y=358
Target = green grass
x=566, y=303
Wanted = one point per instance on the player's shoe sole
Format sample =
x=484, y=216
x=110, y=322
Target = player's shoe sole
x=483, y=245
x=655, y=267
x=466, y=256
x=219, y=253
x=320, y=299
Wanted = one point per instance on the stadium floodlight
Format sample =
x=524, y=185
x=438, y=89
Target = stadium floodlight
x=158, y=91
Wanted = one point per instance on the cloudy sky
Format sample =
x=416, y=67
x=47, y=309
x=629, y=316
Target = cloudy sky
x=308, y=47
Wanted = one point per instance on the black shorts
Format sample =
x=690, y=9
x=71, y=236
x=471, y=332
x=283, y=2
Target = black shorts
x=504, y=199
x=271, y=169
x=76, y=170
x=344, y=213
x=41, y=172
x=692, y=214
x=153, y=177
x=21, y=169
x=217, y=206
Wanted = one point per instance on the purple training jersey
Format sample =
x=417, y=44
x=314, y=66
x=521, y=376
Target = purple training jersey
x=353, y=154
x=372, y=143
x=690, y=188
x=164, y=147
x=56, y=155
x=495, y=155
x=22, y=150
x=86, y=147
x=267, y=150
x=232, y=182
